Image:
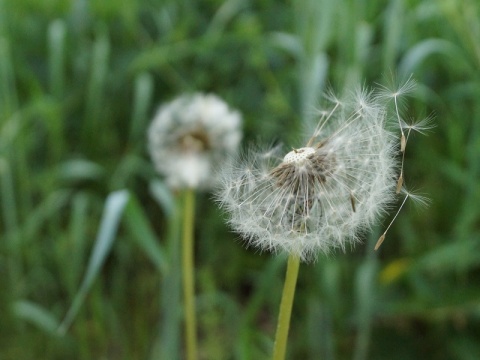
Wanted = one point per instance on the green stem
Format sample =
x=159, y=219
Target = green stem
x=285, y=312
x=188, y=275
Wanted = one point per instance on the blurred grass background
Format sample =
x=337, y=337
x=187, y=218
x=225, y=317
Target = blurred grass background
x=86, y=221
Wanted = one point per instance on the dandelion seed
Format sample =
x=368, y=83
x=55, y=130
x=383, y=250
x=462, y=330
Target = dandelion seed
x=418, y=199
x=397, y=92
x=352, y=201
x=190, y=135
x=380, y=241
x=323, y=195
x=403, y=143
x=399, y=181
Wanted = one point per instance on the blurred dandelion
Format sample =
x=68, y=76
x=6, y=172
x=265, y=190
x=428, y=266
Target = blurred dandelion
x=188, y=138
x=325, y=194
x=190, y=135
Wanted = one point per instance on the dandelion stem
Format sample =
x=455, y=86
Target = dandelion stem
x=188, y=275
x=285, y=312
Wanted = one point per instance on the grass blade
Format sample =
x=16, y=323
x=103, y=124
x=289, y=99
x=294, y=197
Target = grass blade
x=137, y=224
x=36, y=315
x=112, y=213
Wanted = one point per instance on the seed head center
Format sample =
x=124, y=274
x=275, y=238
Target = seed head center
x=298, y=156
x=195, y=141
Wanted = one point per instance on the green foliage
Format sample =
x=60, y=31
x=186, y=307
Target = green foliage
x=79, y=82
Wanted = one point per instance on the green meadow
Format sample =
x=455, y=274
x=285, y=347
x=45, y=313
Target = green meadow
x=89, y=232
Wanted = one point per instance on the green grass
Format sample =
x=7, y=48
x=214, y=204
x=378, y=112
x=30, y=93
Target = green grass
x=85, y=221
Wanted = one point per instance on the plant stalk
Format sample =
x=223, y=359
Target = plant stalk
x=188, y=275
x=285, y=312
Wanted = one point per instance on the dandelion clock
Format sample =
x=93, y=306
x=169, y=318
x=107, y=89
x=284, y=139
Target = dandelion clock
x=325, y=193
x=188, y=138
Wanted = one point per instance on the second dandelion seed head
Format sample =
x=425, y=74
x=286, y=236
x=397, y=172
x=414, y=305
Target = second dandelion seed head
x=191, y=135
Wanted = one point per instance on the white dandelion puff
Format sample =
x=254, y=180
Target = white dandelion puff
x=323, y=195
x=190, y=136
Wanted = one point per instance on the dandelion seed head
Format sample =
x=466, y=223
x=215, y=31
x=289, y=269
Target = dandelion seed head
x=191, y=134
x=323, y=195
